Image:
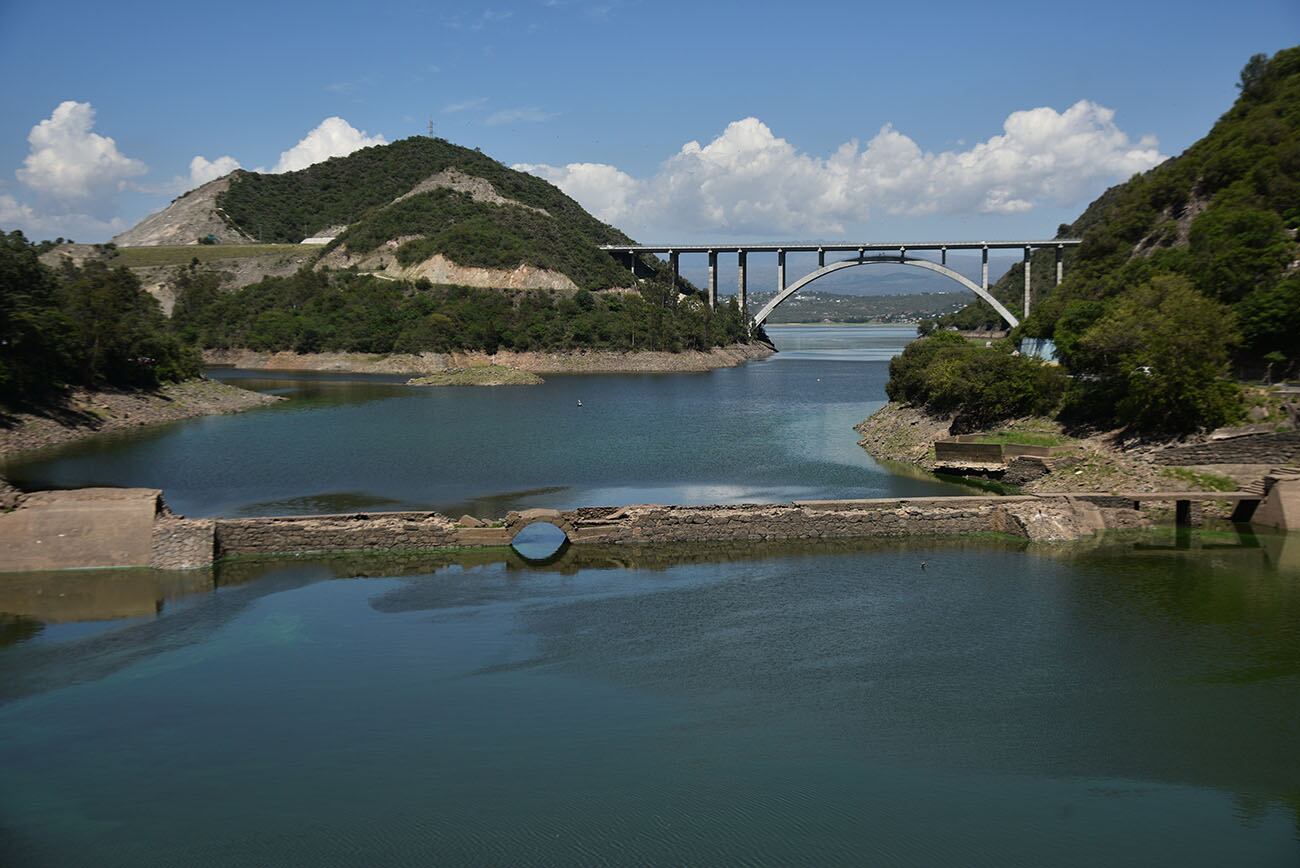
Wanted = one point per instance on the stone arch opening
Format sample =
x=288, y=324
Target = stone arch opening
x=540, y=542
x=539, y=535
x=799, y=284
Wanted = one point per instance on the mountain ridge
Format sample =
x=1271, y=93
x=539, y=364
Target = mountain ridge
x=396, y=208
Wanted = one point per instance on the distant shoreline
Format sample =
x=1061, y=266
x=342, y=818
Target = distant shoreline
x=825, y=324
x=427, y=364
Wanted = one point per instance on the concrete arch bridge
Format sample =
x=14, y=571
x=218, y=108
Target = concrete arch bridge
x=903, y=253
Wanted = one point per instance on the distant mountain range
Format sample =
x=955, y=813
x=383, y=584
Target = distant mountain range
x=809, y=306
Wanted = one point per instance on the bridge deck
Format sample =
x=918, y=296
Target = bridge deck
x=815, y=246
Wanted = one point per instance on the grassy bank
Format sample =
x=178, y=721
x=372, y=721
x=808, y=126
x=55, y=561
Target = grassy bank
x=184, y=254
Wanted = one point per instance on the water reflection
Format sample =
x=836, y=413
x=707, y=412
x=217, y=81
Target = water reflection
x=1135, y=703
x=96, y=595
x=105, y=595
x=770, y=431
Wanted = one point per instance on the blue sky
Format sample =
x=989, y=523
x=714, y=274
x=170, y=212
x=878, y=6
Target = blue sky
x=601, y=97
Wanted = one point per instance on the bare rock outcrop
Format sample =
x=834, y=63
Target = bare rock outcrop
x=478, y=189
x=440, y=269
x=186, y=220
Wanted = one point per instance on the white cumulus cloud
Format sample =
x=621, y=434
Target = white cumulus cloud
x=334, y=137
x=68, y=161
x=203, y=170
x=38, y=225
x=750, y=180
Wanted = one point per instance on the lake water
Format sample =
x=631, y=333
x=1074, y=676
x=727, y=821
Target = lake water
x=1127, y=702
x=770, y=431
x=830, y=704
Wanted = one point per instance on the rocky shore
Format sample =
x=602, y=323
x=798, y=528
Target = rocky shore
x=86, y=413
x=1097, y=463
x=425, y=364
x=904, y=434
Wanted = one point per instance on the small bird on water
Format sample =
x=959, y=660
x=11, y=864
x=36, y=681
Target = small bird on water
x=579, y=402
x=922, y=564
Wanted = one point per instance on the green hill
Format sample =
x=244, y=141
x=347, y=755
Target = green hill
x=1223, y=214
x=1187, y=273
x=433, y=247
x=439, y=198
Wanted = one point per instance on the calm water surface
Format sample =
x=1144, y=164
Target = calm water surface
x=776, y=430
x=782, y=706
x=1128, y=703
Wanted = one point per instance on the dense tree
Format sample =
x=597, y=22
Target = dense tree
x=88, y=326
x=315, y=311
x=1252, y=74
x=120, y=332
x=947, y=374
x=1270, y=320
x=36, y=343
x=1155, y=361
x=1236, y=249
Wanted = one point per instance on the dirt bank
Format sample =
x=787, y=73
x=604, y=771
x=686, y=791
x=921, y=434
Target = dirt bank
x=482, y=375
x=903, y=434
x=1091, y=464
x=87, y=413
x=576, y=362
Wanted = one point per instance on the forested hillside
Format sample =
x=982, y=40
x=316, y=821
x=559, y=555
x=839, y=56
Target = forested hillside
x=1187, y=275
x=315, y=311
x=91, y=326
x=436, y=198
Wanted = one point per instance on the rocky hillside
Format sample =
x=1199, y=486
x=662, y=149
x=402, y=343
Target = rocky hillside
x=417, y=208
x=1223, y=215
x=192, y=217
x=1186, y=285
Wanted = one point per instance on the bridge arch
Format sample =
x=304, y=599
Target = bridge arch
x=799, y=284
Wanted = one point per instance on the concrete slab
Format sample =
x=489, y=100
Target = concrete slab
x=1281, y=508
x=88, y=527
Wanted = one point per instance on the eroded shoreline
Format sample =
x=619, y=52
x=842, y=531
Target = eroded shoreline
x=425, y=364
x=87, y=413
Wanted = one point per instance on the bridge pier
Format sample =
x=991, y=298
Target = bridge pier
x=713, y=278
x=1029, y=252
x=880, y=252
x=741, y=288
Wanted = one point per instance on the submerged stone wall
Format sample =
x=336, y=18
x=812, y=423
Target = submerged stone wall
x=1035, y=518
x=182, y=543
x=335, y=533
x=135, y=529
